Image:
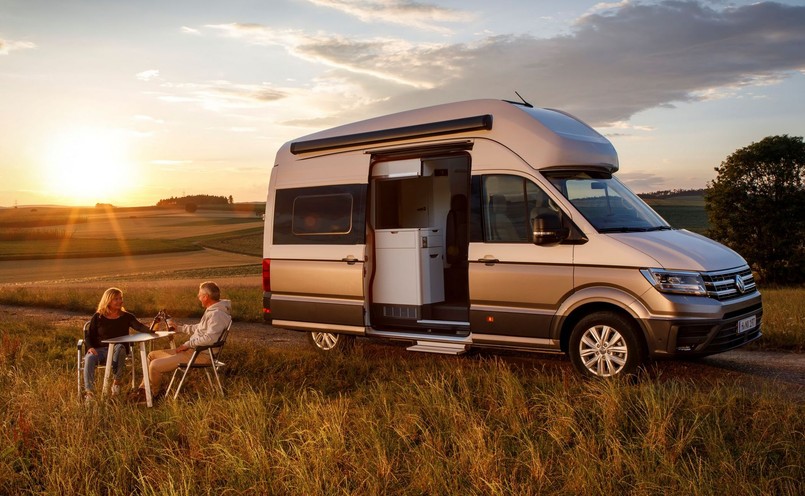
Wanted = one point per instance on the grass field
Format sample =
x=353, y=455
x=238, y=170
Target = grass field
x=88, y=248
x=146, y=297
x=88, y=233
x=683, y=212
x=783, y=317
x=383, y=421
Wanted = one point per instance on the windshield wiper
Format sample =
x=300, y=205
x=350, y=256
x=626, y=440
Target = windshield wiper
x=625, y=229
x=622, y=229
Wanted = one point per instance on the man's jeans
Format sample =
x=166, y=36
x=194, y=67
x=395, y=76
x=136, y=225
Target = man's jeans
x=91, y=361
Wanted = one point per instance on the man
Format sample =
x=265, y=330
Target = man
x=216, y=318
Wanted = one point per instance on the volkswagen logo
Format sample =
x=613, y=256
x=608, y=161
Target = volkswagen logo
x=739, y=283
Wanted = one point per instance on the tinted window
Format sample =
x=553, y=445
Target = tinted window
x=502, y=208
x=320, y=215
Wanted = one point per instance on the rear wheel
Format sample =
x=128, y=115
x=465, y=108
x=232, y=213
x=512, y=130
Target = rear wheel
x=329, y=343
x=605, y=344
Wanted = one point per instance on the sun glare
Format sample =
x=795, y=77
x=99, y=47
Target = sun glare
x=89, y=166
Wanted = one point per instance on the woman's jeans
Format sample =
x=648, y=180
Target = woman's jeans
x=91, y=361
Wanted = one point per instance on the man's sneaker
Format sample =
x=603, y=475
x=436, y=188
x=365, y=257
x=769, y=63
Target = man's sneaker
x=115, y=389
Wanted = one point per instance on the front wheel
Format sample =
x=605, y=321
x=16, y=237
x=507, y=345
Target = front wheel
x=605, y=344
x=329, y=343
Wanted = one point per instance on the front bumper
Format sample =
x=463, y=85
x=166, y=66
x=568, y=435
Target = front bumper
x=695, y=337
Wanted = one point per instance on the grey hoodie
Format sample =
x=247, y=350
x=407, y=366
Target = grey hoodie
x=215, y=320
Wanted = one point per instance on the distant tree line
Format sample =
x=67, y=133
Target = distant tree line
x=195, y=200
x=672, y=193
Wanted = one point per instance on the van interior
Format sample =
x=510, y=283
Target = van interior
x=419, y=218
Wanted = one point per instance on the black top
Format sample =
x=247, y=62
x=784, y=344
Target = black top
x=101, y=328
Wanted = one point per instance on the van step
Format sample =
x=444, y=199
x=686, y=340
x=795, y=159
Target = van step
x=443, y=348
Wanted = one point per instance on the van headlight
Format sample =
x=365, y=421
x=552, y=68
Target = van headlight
x=675, y=281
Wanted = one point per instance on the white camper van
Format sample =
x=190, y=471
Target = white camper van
x=494, y=224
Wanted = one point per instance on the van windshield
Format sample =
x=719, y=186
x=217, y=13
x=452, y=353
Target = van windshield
x=606, y=203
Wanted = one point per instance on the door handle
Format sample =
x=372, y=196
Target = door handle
x=350, y=259
x=489, y=260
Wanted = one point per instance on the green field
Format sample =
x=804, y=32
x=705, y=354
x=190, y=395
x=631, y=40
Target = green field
x=683, y=212
x=88, y=248
x=46, y=233
x=379, y=421
x=385, y=421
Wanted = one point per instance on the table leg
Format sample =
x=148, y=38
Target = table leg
x=146, y=379
x=108, y=371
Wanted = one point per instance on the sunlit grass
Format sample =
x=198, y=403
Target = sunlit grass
x=382, y=422
x=783, y=318
x=143, y=298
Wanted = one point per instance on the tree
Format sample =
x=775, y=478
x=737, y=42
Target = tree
x=190, y=207
x=756, y=206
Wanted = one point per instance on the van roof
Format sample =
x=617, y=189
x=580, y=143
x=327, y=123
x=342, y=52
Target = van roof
x=544, y=138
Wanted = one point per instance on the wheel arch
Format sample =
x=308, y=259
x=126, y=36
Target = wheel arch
x=612, y=300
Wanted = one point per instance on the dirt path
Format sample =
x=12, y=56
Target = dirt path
x=782, y=367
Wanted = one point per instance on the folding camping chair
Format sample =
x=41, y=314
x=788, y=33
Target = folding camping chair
x=214, y=351
x=81, y=353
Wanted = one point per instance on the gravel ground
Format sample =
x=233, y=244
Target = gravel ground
x=787, y=369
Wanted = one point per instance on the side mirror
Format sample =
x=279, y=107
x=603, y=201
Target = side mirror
x=547, y=229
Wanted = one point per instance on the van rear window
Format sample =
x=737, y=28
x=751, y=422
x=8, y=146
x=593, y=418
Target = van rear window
x=320, y=215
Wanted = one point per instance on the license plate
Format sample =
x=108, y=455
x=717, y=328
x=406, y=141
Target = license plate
x=746, y=324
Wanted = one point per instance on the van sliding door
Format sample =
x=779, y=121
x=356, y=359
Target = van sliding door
x=317, y=258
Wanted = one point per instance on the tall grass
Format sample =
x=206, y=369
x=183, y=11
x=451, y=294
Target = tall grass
x=783, y=318
x=143, y=298
x=383, y=422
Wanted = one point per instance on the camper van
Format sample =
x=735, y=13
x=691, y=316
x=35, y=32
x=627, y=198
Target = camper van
x=489, y=223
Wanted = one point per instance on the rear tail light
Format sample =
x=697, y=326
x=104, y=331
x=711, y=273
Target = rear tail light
x=267, y=275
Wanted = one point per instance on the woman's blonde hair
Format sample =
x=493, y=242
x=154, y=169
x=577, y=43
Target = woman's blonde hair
x=108, y=296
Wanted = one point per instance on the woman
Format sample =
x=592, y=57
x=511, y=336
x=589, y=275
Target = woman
x=111, y=320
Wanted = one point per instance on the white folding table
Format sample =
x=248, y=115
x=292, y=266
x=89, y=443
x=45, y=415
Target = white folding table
x=141, y=338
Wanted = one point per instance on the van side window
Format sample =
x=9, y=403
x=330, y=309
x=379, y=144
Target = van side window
x=503, y=206
x=320, y=215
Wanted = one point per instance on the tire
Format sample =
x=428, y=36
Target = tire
x=328, y=343
x=605, y=344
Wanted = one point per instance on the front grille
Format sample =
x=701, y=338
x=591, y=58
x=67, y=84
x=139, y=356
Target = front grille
x=709, y=338
x=724, y=285
x=728, y=338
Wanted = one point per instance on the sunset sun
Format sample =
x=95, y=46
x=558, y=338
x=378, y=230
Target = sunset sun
x=89, y=166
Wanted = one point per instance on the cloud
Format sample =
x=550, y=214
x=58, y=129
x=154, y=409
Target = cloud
x=148, y=75
x=618, y=60
x=642, y=181
x=635, y=58
x=418, y=15
x=389, y=59
x=8, y=46
x=147, y=118
x=220, y=95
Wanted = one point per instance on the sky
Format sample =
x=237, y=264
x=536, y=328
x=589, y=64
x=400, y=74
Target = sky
x=130, y=102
